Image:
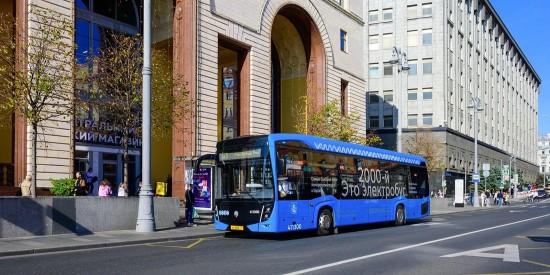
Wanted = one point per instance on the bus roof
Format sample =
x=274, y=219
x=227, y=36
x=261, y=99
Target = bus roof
x=335, y=146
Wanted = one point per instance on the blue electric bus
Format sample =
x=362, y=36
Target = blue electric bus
x=289, y=182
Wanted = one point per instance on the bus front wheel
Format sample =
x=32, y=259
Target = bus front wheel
x=325, y=224
x=400, y=215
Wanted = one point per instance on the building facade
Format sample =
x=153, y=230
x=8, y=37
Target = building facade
x=249, y=65
x=543, y=154
x=457, y=51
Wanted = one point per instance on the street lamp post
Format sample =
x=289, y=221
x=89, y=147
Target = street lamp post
x=475, y=103
x=399, y=58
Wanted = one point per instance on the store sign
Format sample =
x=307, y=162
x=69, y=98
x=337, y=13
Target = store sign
x=99, y=132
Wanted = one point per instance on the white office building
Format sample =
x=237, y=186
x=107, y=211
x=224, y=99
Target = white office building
x=457, y=50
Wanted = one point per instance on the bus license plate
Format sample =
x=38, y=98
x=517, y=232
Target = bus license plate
x=237, y=227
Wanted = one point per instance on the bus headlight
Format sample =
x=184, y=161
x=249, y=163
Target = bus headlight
x=266, y=212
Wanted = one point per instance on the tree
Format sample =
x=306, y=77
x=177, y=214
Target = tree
x=111, y=84
x=423, y=143
x=328, y=121
x=36, y=68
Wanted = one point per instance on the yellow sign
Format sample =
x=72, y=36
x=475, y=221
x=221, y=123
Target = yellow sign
x=237, y=227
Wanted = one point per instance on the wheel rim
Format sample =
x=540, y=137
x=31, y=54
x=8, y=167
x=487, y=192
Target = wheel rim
x=400, y=215
x=324, y=221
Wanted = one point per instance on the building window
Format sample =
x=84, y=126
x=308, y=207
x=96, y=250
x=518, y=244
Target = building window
x=342, y=3
x=412, y=120
x=427, y=37
x=427, y=66
x=229, y=95
x=413, y=64
x=374, y=42
x=388, y=69
x=388, y=121
x=411, y=11
x=387, y=40
x=373, y=16
x=388, y=96
x=344, y=97
x=412, y=38
x=374, y=122
x=412, y=94
x=343, y=41
x=373, y=97
x=427, y=93
x=388, y=14
x=427, y=9
x=427, y=119
x=373, y=70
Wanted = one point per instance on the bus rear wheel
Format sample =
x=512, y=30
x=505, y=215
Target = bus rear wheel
x=400, y=215
x=325, y=224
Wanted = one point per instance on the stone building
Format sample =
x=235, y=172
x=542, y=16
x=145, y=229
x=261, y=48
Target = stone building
x=249, y=64
x=457, y=51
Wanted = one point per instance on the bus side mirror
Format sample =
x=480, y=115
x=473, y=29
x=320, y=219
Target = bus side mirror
x=281, y=167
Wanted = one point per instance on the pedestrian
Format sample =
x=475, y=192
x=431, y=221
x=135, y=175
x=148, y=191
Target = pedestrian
x=90, y=181
x=139, y=188
x=189, y=204
x=105, y=188
x=80, y=188
x=487, y=197
x=500, y=197
x=506, y=198
x=483, y=199
x=25, y=186
x=122, y=190
x=471, y=198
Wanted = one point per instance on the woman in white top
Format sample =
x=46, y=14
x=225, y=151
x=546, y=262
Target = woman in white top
x=121, y=190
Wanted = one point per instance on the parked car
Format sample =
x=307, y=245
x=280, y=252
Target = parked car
x=542, y=194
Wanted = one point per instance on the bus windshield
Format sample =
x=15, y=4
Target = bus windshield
x=246, y=174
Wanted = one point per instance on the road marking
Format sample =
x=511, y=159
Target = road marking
x=535, y=263
x=517, y=211
x=536, y=248
x=511, y=253
x=179, y=246
x=516, y=273
x=408, y=247
x=427, y=223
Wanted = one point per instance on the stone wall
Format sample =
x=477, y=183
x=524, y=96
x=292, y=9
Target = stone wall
x=82, y=215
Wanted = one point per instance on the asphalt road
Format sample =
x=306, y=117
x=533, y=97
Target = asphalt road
x=506, y=240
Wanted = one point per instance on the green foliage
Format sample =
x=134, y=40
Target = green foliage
x=62, y=187
x=328, y=122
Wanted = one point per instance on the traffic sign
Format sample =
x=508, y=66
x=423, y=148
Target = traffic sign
x=486, y=173
x=475, y=177
x=486, y=167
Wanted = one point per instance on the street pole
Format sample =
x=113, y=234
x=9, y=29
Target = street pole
x=146, y=211
x=399, y=59
x=475, y=104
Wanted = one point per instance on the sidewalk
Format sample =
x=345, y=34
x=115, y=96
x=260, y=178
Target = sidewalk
x=205, y=228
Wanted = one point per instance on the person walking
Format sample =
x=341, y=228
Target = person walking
x=90, y=181
x=500, y=196
x=122, y=190
x=80, y=188
x=105, y=189
x=189, y=204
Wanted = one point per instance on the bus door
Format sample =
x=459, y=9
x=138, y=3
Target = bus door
x=418, y=192
x=294, y=208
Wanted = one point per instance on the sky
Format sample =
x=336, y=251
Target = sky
x=527, y=21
